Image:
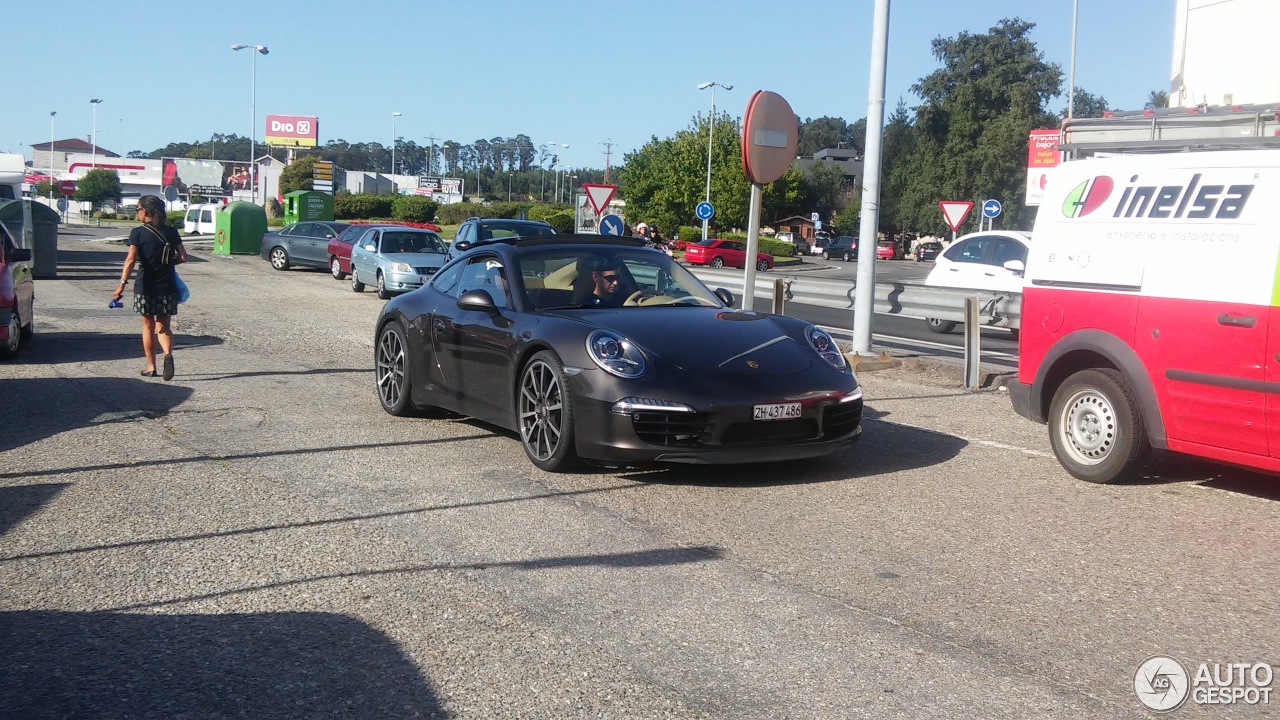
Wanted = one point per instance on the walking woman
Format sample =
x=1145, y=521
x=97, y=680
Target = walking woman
x=155, y=294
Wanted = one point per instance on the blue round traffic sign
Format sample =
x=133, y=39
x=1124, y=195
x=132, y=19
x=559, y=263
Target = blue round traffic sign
x=612, y=225
x=991, y=209
x=705, y=210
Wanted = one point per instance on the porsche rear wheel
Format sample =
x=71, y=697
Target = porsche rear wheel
x=391, y=369
x=545, y=414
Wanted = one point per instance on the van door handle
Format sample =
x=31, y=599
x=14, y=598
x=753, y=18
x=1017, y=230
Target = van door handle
x=1244, y=321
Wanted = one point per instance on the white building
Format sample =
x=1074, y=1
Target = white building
x=1223, y=54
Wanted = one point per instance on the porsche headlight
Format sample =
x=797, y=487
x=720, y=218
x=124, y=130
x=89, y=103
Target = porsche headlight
x=825, y=346
x=401, y=268
x=615, y=354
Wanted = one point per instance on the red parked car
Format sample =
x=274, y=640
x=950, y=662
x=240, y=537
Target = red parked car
x=886, y=250
x=339, y=250
x=724, y=253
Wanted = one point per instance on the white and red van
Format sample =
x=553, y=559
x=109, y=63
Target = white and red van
x=1151, y=311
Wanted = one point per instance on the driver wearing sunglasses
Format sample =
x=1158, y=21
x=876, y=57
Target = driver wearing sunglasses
x=606, y=280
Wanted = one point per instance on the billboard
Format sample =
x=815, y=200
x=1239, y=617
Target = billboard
x=292, y=130
x=1042, y=154
x=206, y=178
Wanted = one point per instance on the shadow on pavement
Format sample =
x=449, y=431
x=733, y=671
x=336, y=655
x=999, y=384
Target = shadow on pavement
x=268, y=665
x=1173, y=469
x=72, y=347
x=884, y=448
x=17, y=503
x=45, y=407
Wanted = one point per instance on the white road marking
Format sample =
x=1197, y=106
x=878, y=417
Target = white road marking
x=973, y=441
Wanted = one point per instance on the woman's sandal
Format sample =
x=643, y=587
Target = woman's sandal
x=150, y=373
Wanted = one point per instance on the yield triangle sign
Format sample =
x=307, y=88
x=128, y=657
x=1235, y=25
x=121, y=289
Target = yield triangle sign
x=599, y=195
x=955, y=211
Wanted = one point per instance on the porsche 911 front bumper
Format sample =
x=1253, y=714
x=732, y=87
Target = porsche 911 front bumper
x=716, y=431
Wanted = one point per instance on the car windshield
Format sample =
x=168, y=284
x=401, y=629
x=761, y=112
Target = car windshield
x=573, y=277
x=411, y=242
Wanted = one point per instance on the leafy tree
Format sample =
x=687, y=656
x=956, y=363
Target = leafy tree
x=823, y=188
x=824, y=132
x=970, y=132
x=1157, y=99
x=1087, y=105
x=298, y=174
x=98, y=185
x=846, y=221
x=896, y=149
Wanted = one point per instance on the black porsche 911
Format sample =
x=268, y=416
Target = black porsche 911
x=599, y=349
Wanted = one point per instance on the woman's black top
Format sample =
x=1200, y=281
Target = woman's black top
x=154, y=277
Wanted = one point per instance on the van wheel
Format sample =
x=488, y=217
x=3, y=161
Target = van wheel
x=1096, y=429
x=942, y=327
x=335, y=268
x=279, y=258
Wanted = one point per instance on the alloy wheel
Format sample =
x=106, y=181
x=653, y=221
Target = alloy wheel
x=541, y=410
x=390, y=361
x=15, y=334
x=279, y=260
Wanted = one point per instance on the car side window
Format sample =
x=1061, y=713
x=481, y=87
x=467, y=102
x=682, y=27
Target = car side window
x=731, y=245
x=1007, y=250
x=370, y=241
x=476, y=273
x=303, y=230
x=972, y=250
x=446, y=280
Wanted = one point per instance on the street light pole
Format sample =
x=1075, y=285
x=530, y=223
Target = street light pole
x=509, y=176
x=394, y=115
x=1071, y=90
x=711, y=129
x=253, y=116
x=51, y=141
x=543, y=195
x=94, y=150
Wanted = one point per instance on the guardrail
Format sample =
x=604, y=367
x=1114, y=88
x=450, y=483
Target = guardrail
x=970, y=308
x=994, y=309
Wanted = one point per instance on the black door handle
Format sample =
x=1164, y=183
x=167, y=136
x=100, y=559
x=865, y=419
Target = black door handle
x=1244, y=321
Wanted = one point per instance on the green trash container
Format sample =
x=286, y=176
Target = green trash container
x=306, y=206
x=238, y=229
x=34, y=226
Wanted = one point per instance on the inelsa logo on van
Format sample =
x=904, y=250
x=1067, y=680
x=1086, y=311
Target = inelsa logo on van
x=1087, y=196
x=1192, y=201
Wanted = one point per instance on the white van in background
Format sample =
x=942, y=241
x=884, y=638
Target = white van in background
x=199, y=219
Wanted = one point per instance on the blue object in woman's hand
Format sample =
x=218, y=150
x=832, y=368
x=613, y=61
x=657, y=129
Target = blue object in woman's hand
x=115, y=303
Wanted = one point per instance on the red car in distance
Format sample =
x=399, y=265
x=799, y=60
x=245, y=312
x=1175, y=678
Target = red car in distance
x=886, y=250
x=724, y=253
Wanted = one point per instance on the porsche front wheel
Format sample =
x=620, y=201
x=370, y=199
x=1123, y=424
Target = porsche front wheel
x=545, y=414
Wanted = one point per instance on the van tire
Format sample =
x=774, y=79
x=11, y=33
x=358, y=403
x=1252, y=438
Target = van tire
x=1096, y=428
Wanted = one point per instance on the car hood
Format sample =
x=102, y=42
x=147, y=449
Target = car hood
x=415, y=259
x=708, y=339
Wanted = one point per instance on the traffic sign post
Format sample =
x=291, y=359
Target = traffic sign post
x=991, y=210
x=67, y=186
x=705, y=210
x=954, y=212
x=770, y=134
x=612, y=225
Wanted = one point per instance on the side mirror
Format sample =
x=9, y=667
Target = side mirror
x=371, y=247
x=725, y=296
x=1016, y=267
x=477, y=300
x=464, y=246
x=18, y=255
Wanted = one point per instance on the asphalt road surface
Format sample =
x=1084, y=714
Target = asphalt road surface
x=258, y=539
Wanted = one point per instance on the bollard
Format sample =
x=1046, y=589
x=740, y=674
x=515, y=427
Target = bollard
x=779, y=296
x=972, y=343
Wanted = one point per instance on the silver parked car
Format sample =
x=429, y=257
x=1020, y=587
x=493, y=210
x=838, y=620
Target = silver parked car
x=396, y=259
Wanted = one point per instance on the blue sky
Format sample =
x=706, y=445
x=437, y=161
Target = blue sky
x=581, y=72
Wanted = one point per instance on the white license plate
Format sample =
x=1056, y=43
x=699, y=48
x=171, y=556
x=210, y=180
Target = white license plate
x=781, y=411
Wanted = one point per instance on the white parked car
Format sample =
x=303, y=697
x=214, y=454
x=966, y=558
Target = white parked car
x=992, y=260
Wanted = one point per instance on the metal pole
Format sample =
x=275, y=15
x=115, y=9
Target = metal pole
x=1071, y=91
x=52, y=115
x=864, y=291
x=94, y=150
x=711, y=129
x=753, y=245
x=253, y=129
